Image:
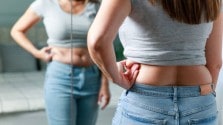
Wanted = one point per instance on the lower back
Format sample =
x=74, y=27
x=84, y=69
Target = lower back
x=173, y=75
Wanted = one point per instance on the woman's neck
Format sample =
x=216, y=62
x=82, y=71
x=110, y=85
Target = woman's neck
x=76, y=6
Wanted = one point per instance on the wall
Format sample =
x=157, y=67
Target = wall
x=12, y=57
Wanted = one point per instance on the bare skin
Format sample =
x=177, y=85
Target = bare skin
x=174, y=75
x=74, y=56
x=79, y=56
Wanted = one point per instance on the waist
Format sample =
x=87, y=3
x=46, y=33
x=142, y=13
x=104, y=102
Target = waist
x=173, y=75
x=76, y=42
x=73, y=56
x=170, y=91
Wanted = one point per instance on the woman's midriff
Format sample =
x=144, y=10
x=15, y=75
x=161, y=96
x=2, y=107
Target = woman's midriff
x=173, y=75
x=75, y=56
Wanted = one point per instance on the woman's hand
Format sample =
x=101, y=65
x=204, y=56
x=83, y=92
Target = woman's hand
x=104, y=93
x=45, y=54
x=104, y=98
x=128, y=71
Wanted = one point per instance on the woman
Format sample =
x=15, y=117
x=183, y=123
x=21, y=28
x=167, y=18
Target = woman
x=73, y=84
x=176, y=44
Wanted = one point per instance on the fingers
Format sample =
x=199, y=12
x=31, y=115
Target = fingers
x=48, y=57
x=129, y=63
x=120, y=67
x=45, y=54
x=123, y=62
x=129, y=73
x=47, y=49
x=134, y=76
x=134, y=68
x=103, y=101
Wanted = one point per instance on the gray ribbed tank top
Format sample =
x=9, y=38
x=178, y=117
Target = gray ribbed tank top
x=150, y=36
x=58, y=22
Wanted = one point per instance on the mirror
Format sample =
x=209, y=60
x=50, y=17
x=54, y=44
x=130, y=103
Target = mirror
x=22, y=75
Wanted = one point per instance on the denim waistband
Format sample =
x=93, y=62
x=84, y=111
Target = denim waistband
x=167, y=91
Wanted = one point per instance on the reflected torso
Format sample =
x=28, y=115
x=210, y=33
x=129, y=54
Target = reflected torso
x=75, y=56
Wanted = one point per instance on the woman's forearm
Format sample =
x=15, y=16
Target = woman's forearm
x=21, y=27
x=105, y=58
x=24, y=42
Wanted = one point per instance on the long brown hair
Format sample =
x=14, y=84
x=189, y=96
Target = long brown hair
x=191, y=11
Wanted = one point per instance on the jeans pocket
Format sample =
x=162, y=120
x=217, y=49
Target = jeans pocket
x=211, y=120
x=130, y=118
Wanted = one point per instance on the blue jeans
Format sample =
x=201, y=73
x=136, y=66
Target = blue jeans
x=71, y=102
x=166, y=105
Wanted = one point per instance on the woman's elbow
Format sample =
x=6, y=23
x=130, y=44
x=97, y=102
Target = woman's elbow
x=91, y=42
x=12, y=32
x=215, y=66
x=15, y=32
x=94, y=43
x=219, y=65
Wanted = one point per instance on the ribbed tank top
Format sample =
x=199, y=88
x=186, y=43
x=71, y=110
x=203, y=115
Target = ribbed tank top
x=150, y=36
x=58, y=23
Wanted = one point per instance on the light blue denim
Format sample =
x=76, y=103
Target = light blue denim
x=71, y=98
x=166, y=105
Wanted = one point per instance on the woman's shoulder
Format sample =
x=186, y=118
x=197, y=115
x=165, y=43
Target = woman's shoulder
x=92, y=9
x=44, y=2
x=41, y=6
x=93, y=6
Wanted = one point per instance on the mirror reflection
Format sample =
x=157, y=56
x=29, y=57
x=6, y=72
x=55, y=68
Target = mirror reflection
x=45, y=68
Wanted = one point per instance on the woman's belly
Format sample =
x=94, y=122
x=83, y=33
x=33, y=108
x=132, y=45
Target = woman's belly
x=173, y=75
x=75, y=56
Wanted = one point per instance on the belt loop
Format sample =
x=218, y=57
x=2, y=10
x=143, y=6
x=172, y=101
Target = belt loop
x=126, y=92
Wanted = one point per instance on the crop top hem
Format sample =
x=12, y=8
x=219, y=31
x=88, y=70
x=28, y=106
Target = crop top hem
x=68, y=45
x=185, y=62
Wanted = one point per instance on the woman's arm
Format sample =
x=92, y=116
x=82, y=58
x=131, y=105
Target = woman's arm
x=102, y=34
x=18, y=33
x=214, y=49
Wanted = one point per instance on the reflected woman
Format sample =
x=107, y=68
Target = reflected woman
x=73, y=84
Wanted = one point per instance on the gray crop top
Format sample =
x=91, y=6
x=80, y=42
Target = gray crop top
x=150, y=36
x=58, y=23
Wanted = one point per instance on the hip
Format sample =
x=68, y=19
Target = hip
x=166, y=105
x=73, y=56
x=61, y=77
